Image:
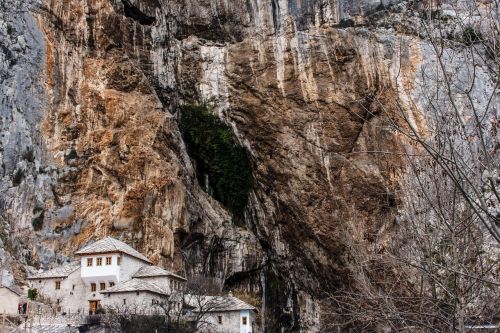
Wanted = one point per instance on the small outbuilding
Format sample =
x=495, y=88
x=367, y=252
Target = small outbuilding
x=222, y=314
x=9, y=299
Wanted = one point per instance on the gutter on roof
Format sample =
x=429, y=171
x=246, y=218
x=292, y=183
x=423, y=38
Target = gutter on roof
x=47, y=277
x=18, y=293
x=110, y=252
x=159, y=275
x=131, y=291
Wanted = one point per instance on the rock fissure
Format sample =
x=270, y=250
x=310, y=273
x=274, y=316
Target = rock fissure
x=133, y=12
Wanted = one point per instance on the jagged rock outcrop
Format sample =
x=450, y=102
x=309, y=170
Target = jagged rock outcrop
x=91, y=146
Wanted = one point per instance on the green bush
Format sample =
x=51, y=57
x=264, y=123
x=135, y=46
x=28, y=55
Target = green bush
x=471, y=35
x=216, y=154
x=32, y=293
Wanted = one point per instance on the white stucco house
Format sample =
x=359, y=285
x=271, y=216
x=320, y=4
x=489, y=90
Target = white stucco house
x=10, y=297
x=222, y=314
x=109, y=273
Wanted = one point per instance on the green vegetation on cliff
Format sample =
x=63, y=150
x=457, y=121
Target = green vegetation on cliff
x=218, y=158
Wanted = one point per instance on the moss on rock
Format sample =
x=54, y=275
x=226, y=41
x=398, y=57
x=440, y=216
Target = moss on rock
x=218, y=158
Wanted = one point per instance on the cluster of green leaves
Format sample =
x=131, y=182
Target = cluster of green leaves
x=471, y=35
x=32, y=293
x=211, y=145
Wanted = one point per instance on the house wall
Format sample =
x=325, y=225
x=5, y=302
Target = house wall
x=75, y=292
x=231, y=322
x=73, y=295
x=248, y=327
x=141, y=301
x=9, y=301
x=103, y=273
x=163, y=282
x=129, y=266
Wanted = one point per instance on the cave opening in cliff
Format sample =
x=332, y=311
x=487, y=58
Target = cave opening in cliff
x=136, y=14
x=222, y=165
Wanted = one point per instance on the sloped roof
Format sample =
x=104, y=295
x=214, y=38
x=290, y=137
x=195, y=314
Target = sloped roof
x=110, y=245
x=152, y=271
x=15, y=289
x=134, y=285
x=58, y=272
x=217, y=303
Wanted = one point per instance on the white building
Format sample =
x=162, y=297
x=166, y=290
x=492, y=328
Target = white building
x=222, y=314
x=109, y=273
x=9, y=299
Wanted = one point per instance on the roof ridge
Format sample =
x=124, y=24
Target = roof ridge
x=155, y=270
x=59, y=271
x=110, y=244
x=134, y=284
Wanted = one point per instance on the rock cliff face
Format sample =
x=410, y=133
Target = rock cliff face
x=90, y=144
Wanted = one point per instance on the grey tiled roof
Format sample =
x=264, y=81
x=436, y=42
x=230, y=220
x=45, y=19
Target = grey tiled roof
x=151, y=271
x=15, y=289
x=134, y=285
x=217, y=303
x=58, y=272
x=110, y=245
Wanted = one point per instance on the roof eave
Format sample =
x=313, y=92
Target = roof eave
x=132, y=291
x=46, y=277
x=110, y=252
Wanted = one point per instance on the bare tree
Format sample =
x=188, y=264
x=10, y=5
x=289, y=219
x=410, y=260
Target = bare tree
x=440, y=270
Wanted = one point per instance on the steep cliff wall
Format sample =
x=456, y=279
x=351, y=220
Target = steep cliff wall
x=91, y=145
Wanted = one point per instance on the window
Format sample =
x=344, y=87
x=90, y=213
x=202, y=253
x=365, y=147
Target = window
x=244, y=320
x=124, y=301
x=73, y=288
x=118, y=260
x=89, y=262
x=99, y=261
x=219, y=320
x=111, y=284
x=102, y=286
x=93, y=287
x=58, y=301
x=58, y=285
x=108, y=260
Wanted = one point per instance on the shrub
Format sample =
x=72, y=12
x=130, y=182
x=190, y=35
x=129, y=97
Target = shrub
x=471, y=35
x=32, y=293
x=216, y=154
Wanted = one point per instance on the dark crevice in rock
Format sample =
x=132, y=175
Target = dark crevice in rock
x=242, y=276
x=275, y=12
x=136, y=14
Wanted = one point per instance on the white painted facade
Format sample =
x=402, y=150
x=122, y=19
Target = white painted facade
x=105, y=272
x=69, y=297
x=9, y=301
x=82, y=287
x=143, y=301
x=228, y=322
x=125, y=280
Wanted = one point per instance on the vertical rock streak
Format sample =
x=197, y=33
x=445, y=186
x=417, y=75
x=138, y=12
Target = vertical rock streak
x=90, y=138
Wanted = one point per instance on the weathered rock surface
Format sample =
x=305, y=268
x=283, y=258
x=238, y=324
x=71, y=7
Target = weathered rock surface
x=90, y=94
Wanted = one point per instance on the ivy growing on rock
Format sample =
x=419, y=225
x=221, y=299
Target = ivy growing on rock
x=218, y=158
